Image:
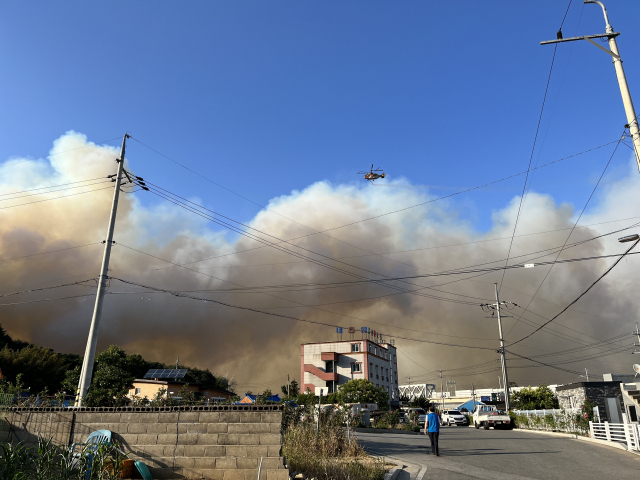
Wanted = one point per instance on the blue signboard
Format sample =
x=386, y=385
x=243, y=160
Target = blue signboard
x=485, y=398
x=339, y=329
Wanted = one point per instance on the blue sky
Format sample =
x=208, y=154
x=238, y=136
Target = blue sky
x=269, y=97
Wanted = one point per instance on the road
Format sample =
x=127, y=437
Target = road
x=504, y=455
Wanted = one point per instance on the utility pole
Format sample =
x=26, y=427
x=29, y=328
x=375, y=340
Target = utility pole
x=90, y=352
x=632, y=120
x=495, y=308
x=442, y=389
x=288, y=383
x=473, y=395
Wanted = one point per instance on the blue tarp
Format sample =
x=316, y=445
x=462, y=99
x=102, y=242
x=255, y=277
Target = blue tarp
x=272, y=398
x=469, y=405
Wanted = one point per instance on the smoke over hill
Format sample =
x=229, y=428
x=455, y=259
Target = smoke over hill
x=259, y=350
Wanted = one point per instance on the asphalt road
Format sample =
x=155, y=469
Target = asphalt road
x=504, y=455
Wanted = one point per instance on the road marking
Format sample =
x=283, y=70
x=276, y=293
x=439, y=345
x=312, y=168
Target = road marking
x=421, y=472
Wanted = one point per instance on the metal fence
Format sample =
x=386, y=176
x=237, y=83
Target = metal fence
x=624, y=433
x=558, y=420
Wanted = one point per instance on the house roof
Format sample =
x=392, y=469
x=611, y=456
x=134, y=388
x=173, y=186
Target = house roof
x=252, y=398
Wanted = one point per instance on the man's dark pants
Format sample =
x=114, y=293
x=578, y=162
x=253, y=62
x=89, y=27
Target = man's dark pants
x=433, y=436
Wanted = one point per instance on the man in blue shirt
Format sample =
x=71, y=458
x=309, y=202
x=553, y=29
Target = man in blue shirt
x=432, y=428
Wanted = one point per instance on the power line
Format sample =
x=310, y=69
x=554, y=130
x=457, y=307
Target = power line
x=299, y=305
x=393, y=252
x=53, y=186
x=55, y=198
x=384, y=214
x=375, y=281
x=568, y=236
x=277, y=246
x=579, y=296
x=47, y=300
x=94, y=144
x=47, y=288
x=533, y=148
x=289, y=317
x=50, y=251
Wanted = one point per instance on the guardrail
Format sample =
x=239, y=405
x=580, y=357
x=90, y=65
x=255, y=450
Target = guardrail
x=625, y=433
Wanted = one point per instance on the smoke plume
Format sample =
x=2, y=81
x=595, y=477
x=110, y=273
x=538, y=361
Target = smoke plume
x=258, y=350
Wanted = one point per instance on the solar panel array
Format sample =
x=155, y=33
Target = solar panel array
x=165, y=373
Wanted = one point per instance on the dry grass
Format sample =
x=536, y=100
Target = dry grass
x=328, y=454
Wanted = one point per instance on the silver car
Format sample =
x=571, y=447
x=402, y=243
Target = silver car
x=421, y=415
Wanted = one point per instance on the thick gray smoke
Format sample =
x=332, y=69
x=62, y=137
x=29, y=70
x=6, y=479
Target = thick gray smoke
x=257, y=350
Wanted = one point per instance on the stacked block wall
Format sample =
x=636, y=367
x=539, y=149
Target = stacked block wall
x=222, y=443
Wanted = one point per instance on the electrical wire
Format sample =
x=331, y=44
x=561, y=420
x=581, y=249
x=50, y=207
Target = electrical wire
x=297, y=319
x=533, y=148
x=579, y=296
x=93, y=144
x=47, y=300
x=53, y=186
x=50, y=251
x=47, y=288
x=55, y=198
x=570, y=233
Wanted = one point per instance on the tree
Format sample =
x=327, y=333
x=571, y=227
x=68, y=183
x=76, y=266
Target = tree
x=307, y=398
x=206, y=379
x=112, y=379
x=293, y=389
x=363, y=391
x=41, y=368
x=420, y=402
x=535, y=399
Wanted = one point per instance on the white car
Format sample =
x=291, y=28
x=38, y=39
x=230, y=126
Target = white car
x=453, y=417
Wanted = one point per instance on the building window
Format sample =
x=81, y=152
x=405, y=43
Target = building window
x=371, y=374
x=138, y=391
x=328, y=367
x=375, y=351
x=376, y=369
x=355, y=347
x=329, y=385
x=356, y=368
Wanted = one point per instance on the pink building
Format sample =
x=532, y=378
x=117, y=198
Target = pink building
x=331, y=364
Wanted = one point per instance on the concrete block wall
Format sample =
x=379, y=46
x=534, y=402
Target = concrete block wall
x=222, y=443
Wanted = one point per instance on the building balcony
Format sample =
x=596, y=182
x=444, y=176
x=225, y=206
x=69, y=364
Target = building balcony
x=329, y=356
x=312, y=369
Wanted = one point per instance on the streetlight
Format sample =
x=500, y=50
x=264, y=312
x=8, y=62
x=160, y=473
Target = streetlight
x=629, y=238
x=632, y=120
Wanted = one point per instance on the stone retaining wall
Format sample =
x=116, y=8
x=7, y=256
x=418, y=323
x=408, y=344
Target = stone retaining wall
x=222, y=443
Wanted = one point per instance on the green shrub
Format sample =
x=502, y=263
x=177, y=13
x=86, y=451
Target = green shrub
x=48, y=461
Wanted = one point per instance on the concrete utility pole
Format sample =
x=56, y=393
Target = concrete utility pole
x=473, y=395
x=92, y=341
x=442, y=389
x=632, y=119
x=495, y=308
x=288, y=383
x=505, y=377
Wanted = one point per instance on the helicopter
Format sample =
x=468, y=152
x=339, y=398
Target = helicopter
x=371, y=175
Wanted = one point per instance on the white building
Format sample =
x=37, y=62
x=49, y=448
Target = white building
x=331, y=364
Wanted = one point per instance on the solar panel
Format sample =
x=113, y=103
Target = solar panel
x=166, y=373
